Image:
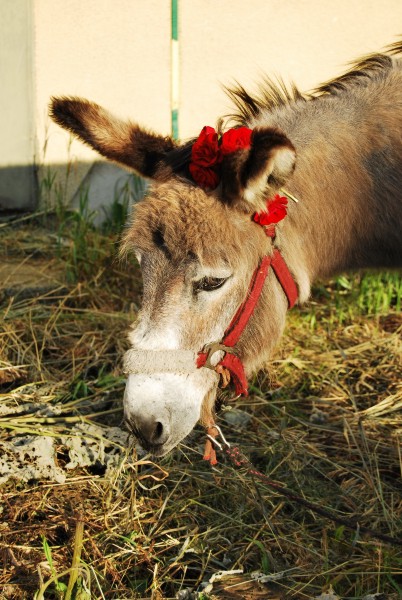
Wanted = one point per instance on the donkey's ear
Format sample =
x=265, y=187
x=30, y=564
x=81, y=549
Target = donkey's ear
x=120, y=141
x=250, y=176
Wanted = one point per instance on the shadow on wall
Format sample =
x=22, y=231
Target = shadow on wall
x=19, y=190
x=101, y=186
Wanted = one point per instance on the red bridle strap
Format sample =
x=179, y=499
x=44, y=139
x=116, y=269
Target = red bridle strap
x=230, y=361
x=285, y=277
x=246, y=309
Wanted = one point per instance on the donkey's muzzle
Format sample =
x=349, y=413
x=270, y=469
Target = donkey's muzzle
x=162, y=408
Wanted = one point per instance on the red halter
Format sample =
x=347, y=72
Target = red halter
x=231, y=361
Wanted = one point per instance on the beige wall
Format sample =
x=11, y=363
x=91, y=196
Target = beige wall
x=117, y=53
x=17, y=101
x=306, y=41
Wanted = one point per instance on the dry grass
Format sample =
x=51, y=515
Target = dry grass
x=326, y=422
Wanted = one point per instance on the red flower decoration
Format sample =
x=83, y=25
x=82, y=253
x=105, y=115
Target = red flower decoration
x=205, y=177
x=276, y=211
x=207, y=153
x=235, y=139
x=205, y=150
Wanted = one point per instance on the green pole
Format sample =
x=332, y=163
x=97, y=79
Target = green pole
x=174, y=83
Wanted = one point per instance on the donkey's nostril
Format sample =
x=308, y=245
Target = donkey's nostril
x=149, y=431
x=152, y=432
x=158, y=433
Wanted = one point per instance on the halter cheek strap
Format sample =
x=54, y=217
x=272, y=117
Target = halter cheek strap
x=231, y=361
x=285, y=278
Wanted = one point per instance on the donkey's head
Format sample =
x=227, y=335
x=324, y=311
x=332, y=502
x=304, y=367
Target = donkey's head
x=198, y=250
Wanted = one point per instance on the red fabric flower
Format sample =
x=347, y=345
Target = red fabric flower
x=207, y=153
x=205, y=177
x=205, y=150
x=276, y=211
x=235, y=139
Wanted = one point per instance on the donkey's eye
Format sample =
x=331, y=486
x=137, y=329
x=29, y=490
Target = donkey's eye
x=208, y=284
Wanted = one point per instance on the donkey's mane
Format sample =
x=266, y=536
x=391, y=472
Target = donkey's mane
x=275, y=94
x=272, y=94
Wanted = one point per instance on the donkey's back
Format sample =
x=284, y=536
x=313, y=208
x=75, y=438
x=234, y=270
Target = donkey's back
x=348, y=139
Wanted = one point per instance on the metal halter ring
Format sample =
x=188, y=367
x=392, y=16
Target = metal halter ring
x=210, y=350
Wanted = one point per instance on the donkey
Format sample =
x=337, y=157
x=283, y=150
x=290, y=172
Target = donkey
x=220, y=263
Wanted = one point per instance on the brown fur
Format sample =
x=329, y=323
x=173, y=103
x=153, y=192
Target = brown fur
x=117, y=140
x=348, y=178
x=178, y=214
x=198, y=229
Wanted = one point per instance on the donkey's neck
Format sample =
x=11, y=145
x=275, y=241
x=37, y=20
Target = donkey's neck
x=349, y=183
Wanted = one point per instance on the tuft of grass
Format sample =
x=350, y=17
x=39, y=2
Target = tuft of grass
x=78, y=586
x=59, y=586
x=116, y=214
x=364, y=294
